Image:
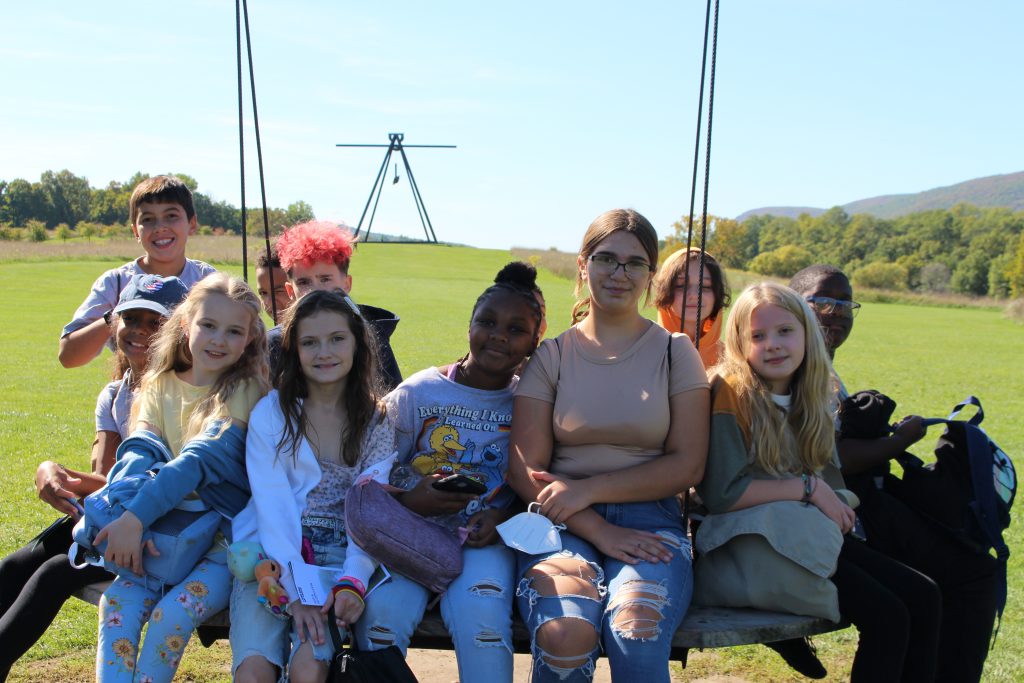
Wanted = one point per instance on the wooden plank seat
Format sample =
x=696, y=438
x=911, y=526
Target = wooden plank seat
x=703, y=627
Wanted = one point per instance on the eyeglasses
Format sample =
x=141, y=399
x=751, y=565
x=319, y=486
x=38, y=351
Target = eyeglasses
x=826, y=305
x=606, y=264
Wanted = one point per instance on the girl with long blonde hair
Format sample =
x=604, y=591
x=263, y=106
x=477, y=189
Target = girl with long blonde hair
x=778, y=533
x=207, y=370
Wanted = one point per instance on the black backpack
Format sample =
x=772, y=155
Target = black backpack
x=968, y=490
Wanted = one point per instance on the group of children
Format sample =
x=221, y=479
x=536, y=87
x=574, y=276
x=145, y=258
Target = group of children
x=610, y=423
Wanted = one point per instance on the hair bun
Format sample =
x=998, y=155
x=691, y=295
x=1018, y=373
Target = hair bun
x=518, y=273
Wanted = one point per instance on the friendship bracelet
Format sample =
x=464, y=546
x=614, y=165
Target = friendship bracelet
x=351, y=582
x=347, y=589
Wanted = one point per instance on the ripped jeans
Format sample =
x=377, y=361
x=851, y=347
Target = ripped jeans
x=477, y=609
x=637, y=645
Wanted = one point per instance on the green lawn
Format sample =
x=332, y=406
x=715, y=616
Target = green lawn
x=926, y=358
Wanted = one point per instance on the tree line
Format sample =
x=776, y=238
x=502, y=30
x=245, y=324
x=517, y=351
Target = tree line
x=964, y=249
x=63, y=199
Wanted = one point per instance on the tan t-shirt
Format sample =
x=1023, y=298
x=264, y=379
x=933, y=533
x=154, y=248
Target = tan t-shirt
x=168, y=403
x=609, y=414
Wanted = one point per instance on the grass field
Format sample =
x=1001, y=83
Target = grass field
x=927, y=358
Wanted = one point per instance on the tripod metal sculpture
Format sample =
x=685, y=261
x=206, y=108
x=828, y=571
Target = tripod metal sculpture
x=395, y=144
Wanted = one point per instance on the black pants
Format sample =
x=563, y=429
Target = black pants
x=34, y=584
x=965, y=577
x=896, y=610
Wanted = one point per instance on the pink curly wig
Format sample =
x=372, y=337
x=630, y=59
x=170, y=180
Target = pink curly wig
x=312, y=242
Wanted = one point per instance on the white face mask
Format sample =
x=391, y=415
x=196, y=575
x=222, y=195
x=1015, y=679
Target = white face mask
x=531, y=532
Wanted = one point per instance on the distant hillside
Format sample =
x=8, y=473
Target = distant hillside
x=992, y=191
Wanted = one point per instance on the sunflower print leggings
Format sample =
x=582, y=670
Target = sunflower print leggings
x=127, y=605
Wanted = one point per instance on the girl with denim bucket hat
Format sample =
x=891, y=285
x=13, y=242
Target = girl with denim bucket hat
x=37, y=579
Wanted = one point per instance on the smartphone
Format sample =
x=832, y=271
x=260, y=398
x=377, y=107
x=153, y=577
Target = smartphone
x=460, y=483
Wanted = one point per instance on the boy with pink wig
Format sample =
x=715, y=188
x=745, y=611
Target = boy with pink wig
x=316, y=255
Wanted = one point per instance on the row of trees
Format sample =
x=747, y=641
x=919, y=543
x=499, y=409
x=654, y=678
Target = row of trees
x=965, y=249
x=62, y=198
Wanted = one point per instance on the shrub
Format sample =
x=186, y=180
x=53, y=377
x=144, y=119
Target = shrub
x=782, y=262
x=35, y=231
x=63, y=232
x=879, y=275
x=8, y=234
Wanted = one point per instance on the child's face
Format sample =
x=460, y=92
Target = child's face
x=321, y=275
x=327, y=348
x=280, y=298
x=217, y=336
x=614, y=289
x=837, y=325
x=776, y=346
x=163, y=230
x=501, y=333
x=134, y=330
x=689, y=306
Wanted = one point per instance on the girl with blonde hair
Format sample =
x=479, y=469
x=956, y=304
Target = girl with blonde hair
x=777, y=536
x=207, y=370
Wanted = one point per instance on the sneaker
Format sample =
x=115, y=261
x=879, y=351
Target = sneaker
x=801, y=656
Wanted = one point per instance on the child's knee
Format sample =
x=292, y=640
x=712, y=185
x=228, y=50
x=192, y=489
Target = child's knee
x=256, y=669
x=638, y=608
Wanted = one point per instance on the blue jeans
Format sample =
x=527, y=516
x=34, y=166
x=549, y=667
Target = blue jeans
x=257, y=632
x=477, y=609
x=638, y=649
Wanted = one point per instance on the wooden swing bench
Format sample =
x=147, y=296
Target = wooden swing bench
x=703, y=627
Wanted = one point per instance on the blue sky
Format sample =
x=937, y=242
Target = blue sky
x=560, y=110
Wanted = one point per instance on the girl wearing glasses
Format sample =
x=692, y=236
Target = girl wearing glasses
x=610, y=422
x=675, y=296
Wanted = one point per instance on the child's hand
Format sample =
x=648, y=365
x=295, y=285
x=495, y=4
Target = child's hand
x=909, y=431
x=483, y=527
x=826, y=500
x=347, y=608
x=633, y=546
x=309, y=622
x=52, y=483
x=124, y=542
x=561, y=498
x=425, y=500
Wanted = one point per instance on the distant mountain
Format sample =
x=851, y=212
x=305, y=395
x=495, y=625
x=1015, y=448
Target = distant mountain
x=997, y=190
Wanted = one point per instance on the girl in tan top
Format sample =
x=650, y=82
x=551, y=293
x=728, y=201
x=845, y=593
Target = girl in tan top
x=610, y=422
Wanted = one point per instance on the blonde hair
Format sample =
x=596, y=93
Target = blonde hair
x=169, y=351
x=802, y=438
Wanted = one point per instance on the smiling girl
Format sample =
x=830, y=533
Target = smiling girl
x=454, y=419
x=36, y=580
x=207, y=371
x=309, y=439
x=610, y=423
x=777, y=536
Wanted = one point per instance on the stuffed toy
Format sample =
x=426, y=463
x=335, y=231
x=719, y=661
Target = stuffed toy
x=270, y=592
x=242, y=559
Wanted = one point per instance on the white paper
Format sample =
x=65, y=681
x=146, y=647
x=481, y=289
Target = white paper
x=313, y=584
